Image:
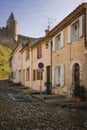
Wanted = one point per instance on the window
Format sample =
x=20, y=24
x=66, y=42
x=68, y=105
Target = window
x=58, y=42
x=37, y=75
x=34, y=75
x=39, y=52
x=59, y=75
x=75, y=31
x=27, y=74
x=27, y=54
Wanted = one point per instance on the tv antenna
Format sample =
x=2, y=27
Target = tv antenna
x=50, y=21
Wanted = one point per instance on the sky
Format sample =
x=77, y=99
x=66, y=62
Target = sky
x=34, y=16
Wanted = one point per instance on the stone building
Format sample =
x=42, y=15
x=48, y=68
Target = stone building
x=69, y=56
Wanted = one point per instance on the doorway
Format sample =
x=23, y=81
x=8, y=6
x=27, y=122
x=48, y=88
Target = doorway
x=76, y=74
x=48, y=76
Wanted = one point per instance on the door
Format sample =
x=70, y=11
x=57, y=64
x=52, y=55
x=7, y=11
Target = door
x=48, y=75
x=76, y=74
x=76, y=77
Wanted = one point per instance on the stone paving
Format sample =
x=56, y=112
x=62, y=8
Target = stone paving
x=36, y=114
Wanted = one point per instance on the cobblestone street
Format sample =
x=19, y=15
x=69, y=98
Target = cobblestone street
x=36, y=114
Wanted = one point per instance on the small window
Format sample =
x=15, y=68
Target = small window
x=75, y=31
x=34, y=75
x=39, y=52
x=37, y=75
x=76, y=27
x=58, y=41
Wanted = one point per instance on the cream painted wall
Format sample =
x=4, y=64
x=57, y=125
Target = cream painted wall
x=45, y=59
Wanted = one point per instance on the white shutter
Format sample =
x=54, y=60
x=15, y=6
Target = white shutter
x=53, y=76
x=69, y=34
x=56, y=75
x=80, y=26
x=53, y=44
x=62, y=75
x=62, y=40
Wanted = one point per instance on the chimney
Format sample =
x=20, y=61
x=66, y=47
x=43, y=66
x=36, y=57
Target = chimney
x=46, y=32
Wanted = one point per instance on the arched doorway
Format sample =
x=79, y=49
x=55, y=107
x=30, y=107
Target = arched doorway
x=75, y=78
x=76, y=74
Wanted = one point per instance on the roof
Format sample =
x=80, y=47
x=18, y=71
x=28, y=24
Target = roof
x=36, y=41
x=11, y=17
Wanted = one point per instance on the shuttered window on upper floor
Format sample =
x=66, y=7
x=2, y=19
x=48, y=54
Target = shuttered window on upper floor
x=75, y=30
x=39, y=51
x=58, y=41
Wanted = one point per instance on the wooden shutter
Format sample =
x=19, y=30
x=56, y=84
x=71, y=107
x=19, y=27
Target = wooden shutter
x=62, y=39
x=69, y=34
x=53, y=47
x=57, y=73
x=53, y=76
x=80, y=26
x=62, y=75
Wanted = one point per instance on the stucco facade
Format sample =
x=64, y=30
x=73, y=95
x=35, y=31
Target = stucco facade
x=45, y=59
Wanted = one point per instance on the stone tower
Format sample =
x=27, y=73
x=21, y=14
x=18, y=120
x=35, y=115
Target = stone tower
x=12, y=27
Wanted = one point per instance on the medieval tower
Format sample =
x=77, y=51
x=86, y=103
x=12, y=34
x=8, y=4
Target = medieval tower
x=9, y=35
x=12, y=27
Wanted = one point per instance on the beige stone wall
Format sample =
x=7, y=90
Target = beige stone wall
x=45, y=59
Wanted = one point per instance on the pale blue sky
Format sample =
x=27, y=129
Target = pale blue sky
x=33, y=16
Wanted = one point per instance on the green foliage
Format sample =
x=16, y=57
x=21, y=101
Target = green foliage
x=4, y=61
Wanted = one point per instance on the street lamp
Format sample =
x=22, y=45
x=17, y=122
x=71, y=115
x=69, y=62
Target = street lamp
x=47, y=46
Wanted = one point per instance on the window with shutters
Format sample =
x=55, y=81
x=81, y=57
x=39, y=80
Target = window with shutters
x=59, y=75
x=75, y=31
x=57, y=42
x=37, y=75
x=39, y=52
